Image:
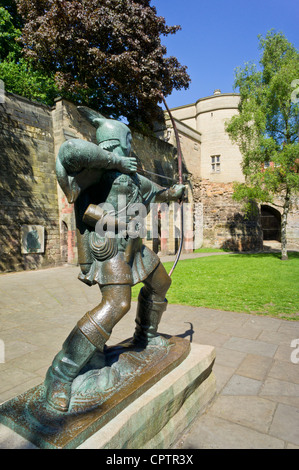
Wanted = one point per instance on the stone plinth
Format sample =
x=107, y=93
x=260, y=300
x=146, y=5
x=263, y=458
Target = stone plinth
x=156, y=418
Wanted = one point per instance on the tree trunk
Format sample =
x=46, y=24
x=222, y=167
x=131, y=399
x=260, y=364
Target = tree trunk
x=284, y=219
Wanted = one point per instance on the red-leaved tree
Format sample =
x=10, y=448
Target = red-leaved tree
x=106, y=54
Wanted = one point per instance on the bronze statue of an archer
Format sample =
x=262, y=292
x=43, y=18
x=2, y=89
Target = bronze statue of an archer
x=91, y=175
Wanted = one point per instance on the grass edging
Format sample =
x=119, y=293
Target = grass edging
x=258, y=283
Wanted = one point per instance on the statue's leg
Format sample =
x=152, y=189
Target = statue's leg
x=151, y=305
x=90, y=335
x=116, y=302
x=75, y=352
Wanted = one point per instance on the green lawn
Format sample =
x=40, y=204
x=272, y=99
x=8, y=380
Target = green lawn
x=209, y=250
x=252, y=283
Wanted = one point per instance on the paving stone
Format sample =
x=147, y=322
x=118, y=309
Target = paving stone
x=20, y=388
x=9, y=378
x=224, y=324
x=35, y=360
x=55, y=336
x=277, y=337
x=255, y=367
x=7, y=325
x=239, y=385
x=286, y=371
x=211, y=432
x=267, y=323
x=174, y=328
x=210, y=337
x=229, y=357
x=251, y=411
x=14, y=349
x=283, y=352
x=291, y=400
x=222, y=374
x=285, y=424
x=275, y=387
x=292, y=446
x=239, y=331
x=251, y=346
x=291, y=328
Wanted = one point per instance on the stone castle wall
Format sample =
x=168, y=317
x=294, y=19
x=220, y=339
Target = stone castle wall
x=223, y=222
x=28, y=188
x=219, y=221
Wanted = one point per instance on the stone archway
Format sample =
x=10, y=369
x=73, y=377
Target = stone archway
x=271, y=223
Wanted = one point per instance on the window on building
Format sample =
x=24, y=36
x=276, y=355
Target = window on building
x=215, y=163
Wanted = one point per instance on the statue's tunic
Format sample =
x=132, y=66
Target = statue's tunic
x=115, y=260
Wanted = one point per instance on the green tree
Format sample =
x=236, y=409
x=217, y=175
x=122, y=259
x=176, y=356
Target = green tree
x=19, y=74
x=106, y=54
x=11, y=7
x=267, y=126
x=22, y=78
x=9, y=35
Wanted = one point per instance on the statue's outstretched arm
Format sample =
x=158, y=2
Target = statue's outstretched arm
x=80, y=164
x=152, y=192
x=175, y=193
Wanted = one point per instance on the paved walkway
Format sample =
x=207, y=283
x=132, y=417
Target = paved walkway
x=257, y=402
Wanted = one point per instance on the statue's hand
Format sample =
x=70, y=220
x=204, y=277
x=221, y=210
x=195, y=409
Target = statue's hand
x=177, y=191
x=127, y=165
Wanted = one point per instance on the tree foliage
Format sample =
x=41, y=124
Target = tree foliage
x=11, y=7
x=267, y=126
x=9, y=34
x=106, y=54
x=19, y=74
x=22, y=78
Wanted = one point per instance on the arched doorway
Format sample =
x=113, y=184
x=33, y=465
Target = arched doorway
x=271, y=223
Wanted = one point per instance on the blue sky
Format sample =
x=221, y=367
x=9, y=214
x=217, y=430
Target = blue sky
x=219, y=35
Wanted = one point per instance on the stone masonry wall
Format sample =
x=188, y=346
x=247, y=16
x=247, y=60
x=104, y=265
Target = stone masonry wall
x=28, y=188
x=293, y=227
x=224, y=224
x=292, y=221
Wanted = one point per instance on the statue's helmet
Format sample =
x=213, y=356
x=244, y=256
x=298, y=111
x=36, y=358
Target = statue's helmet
x=111, y=133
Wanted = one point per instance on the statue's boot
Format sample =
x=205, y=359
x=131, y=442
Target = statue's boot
x=78, y=348
x=148, y=317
